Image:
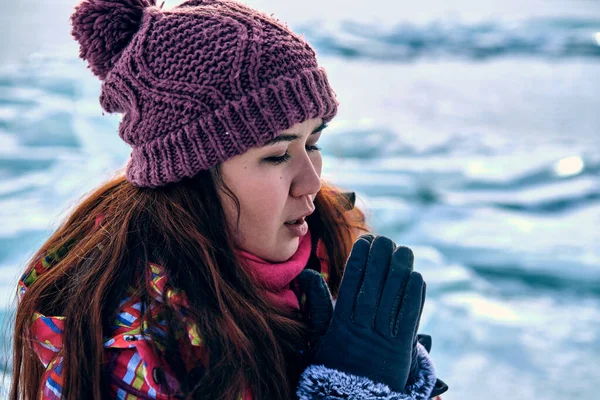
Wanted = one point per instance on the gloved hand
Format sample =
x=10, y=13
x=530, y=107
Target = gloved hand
x=318, y=309
x=373, y=332
x=319, y=312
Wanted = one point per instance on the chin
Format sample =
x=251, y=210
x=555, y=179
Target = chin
x=286, y=251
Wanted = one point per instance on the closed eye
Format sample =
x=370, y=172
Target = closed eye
x=281, y=159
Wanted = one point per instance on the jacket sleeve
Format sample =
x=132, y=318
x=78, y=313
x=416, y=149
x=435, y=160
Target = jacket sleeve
x=319, y=382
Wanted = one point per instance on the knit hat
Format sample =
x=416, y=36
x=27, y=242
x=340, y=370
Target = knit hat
x=199, y=83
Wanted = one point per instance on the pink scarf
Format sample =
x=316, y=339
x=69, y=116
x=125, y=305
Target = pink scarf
x=276, y=277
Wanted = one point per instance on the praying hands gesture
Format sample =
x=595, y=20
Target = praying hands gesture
x=373, y=330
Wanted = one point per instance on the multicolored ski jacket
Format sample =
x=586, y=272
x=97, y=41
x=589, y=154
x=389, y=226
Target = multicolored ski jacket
x=136, y=372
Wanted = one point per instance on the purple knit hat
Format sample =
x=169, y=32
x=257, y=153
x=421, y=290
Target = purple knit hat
x=199, y=83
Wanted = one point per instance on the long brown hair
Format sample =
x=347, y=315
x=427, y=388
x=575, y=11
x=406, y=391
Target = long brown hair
x=181, y=227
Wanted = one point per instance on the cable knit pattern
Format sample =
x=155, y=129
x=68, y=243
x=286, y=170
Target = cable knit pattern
x=199, y=83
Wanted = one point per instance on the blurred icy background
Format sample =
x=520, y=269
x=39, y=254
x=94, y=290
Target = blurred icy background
x=469, y=129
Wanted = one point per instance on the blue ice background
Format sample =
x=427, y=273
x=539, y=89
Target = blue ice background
x=468, y=129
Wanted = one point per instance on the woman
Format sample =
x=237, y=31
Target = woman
x=194, y=274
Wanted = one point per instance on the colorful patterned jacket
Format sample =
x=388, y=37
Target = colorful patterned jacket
x=137, y=373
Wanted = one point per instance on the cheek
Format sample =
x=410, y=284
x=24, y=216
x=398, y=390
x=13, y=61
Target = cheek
x=264, y=200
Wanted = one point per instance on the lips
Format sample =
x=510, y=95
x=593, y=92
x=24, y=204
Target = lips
x=296, y=222
x=300, y=219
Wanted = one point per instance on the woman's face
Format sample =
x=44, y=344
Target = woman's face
x=275, y=184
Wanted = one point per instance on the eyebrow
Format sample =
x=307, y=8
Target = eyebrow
x=289, y=137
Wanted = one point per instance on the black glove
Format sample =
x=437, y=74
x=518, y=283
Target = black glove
x=318, y=309
x=373, y=332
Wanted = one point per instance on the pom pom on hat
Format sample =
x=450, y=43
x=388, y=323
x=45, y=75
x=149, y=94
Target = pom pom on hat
x=104, y=28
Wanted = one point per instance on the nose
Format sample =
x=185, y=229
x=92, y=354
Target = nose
x=308, y=178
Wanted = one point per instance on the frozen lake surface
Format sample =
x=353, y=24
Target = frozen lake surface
x=469, y=132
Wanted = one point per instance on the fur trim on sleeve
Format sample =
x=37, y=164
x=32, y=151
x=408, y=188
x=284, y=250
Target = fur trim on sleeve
x=319, y=382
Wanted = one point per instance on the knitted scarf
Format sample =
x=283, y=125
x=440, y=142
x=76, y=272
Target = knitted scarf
x=276, y=277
